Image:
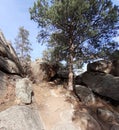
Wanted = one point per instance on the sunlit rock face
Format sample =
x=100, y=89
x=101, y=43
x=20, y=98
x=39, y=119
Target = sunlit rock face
x=24, y=91
x=20, y=118
x=108, y=67
x=100, y=66
x=9, y=62
x=42, y=71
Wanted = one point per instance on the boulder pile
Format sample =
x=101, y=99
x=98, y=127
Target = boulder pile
x=10, y=70
x=102, y=78
x=47, y=105
x=16, y=93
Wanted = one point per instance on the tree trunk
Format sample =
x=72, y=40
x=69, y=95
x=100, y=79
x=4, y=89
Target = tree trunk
x=71, y=75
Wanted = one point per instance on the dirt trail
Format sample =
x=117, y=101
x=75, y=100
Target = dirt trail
x=55, y=111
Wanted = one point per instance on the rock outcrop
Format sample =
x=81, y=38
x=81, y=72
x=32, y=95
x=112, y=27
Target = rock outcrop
x=108, y=67
x=54, y=107
x=10, y=70
x=103, y=84
x=20, y=118
x=3, y=83
x=42, y=71
x=9, y=62
x=100, y=66
x=102, y=78
x=85, y=94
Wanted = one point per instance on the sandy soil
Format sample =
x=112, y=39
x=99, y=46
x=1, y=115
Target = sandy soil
x=8, y=99
x=56, y=112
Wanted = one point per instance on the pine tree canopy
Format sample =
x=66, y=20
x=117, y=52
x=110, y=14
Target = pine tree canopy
x=92, y=21
x=77, y=27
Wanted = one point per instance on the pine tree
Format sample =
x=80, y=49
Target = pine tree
x=76, y=25
x=23, y=45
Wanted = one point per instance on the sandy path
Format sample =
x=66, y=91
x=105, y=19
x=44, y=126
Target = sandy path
x=55, y=111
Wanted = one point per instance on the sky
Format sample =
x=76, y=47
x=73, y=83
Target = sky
x=14, y=14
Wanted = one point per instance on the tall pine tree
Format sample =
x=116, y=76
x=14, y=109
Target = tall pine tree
x=79, y=23
x=23, y=45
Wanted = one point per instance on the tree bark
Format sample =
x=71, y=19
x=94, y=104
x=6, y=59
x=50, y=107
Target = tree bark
x=71, y=75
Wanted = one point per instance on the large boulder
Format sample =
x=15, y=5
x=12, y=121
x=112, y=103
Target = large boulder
x=103, y=84
x=8, y=66
x=85, y=94
x=24, y=91
x=109, y=67
x=100, y=66
x=20, y=118
x=9, y=61
x=42, y=71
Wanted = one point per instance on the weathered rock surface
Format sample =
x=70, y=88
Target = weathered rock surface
x=9, y=61
x=59, y=109
x=85, y=94
x=24, y=91
x=20, y=118
x=3, y=83
x=7, y=90
x=8, y=66
x=87, y=122
x=106, y=115
x=103, y=84
x=109, y=67
x=100, y=66
x=42, y=71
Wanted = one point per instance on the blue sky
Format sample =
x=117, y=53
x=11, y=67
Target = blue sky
x=15, y=13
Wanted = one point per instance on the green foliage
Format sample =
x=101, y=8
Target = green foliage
x=22, y=45
x=78, y=28
x=91, y=21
